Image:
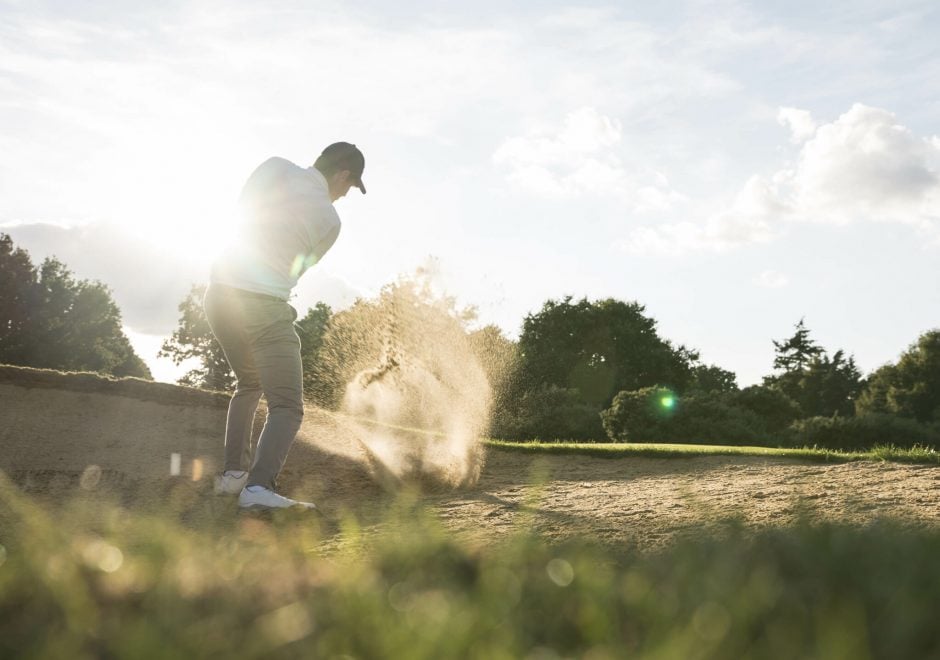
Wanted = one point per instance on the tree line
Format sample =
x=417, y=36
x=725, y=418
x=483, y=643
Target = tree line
x=51, y=320
x=580, y=370
x=599, y=370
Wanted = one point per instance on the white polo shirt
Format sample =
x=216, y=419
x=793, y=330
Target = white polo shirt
x=289, y=224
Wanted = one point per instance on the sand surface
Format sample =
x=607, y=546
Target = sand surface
x=49, y=437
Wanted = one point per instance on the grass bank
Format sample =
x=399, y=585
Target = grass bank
x=884, y=452
x=190, y=577
x=625, y=450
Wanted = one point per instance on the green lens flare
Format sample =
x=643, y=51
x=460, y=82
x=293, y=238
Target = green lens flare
x=668, y=401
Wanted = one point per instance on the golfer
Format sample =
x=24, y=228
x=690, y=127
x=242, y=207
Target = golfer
x=290, y=223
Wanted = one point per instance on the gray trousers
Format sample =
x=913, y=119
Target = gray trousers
x=258, y=338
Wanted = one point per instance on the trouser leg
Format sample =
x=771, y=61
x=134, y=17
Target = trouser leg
x=226, y=320
x=238, y=425
x=276, y=355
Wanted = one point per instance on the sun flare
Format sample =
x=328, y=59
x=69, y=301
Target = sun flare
x=187, y=211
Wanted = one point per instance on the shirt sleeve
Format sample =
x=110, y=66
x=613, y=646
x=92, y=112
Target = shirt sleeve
x=321, y=229
x=321, y=242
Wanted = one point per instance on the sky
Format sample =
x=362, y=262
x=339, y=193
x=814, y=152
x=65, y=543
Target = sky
x=732, y=166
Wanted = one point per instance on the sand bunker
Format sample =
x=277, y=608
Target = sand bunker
x=71, y=435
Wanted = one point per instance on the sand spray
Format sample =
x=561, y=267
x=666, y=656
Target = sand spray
x=417, y=398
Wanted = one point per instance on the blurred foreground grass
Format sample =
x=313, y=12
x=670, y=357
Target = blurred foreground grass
x=187, y=576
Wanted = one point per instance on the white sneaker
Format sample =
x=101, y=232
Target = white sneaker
x=230, y=482
x=259, y=497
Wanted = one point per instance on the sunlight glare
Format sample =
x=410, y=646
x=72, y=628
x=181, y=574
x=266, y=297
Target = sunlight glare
x=185, y=205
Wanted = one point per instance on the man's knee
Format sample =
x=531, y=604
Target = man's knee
x=290, y=409
x=248, y=387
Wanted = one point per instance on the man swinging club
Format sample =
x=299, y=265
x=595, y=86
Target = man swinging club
x=290, y=223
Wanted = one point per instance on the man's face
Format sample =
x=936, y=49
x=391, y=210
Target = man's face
x=339, y=184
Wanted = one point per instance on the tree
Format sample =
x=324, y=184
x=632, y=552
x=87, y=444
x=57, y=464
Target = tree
x=910, y=388
x=830, y=386
x=822, y=386
x=51, y=320
x=311, y=329
x=709, y=378
x=18, y=301
x=599, y=348
x=795, y=353
x=549, y=413
x=776, y=410
x=193, y=339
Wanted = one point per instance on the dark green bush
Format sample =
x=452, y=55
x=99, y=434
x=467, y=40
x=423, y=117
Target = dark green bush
x=776, y=410
x=863, y=432
x=549, y=413
x=639, y=415
x=656, y=414
x=714, y=419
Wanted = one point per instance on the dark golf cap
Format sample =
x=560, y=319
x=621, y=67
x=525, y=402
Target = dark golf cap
x=341, y=156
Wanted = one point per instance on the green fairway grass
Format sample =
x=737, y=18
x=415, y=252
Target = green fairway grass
x=625, y=450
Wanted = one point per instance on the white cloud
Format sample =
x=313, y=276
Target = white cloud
x=751, y=218
x=864, y=166
x=771, y=279
x=800, y=122
x=579, y=157
x=568, y=160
